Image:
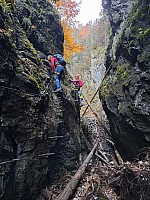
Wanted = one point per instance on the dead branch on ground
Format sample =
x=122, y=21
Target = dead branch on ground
x=71, y=186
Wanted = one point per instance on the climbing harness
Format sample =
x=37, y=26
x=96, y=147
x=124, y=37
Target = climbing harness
x=57, y=73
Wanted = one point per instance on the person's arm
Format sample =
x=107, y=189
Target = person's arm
x=74, y=81
x=80, y=83
x=53, y=63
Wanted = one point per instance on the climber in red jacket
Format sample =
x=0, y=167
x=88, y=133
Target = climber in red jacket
x=77, y=85
x=77, y=82
x=52, y=60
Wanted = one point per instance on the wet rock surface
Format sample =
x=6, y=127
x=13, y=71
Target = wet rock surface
x=125, y=90
x=32, y=117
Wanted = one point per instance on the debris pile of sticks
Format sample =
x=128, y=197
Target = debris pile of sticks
x=127, y=181
x=132, y=180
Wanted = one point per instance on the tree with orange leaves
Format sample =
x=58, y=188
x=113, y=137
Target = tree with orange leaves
x=68, y=10
x=70, y=44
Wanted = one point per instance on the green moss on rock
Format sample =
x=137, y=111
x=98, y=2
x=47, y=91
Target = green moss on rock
x=30, y=46
x=104, y=89
x=113, y=84
x=144, y=58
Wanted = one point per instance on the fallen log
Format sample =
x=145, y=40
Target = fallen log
x=103, y=155
x=47, y=193
x=117, y=155
x=71, y=186
x=102, y=159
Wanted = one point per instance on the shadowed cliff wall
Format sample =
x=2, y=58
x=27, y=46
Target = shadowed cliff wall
x=125, y=92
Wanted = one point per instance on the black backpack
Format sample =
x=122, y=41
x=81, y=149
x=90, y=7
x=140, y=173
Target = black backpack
x=60, y=59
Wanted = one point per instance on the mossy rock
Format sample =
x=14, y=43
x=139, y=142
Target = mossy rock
x=34, y=81
x=30, y=46
x=104, y=89
x=144, y=58
x=113, y=84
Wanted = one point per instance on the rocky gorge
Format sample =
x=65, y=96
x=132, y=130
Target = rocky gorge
x=41, y=138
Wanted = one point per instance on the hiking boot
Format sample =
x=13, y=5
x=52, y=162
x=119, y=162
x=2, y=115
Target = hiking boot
x=58, y=90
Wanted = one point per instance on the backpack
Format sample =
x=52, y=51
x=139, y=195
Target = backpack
x=60, y=59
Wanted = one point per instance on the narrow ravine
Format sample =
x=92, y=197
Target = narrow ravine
x=52, y=147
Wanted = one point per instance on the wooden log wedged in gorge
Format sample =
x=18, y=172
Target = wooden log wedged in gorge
x=103, y=155
x=47, y=193
x=90, y=102
x=102, y=159
x=117, y=155
x=96, y=115
x=71, y=186
x=96, y=91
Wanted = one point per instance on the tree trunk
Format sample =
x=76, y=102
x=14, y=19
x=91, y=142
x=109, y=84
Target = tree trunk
x=71, y=186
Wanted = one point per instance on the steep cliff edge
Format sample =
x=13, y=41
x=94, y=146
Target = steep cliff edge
x=32, y=118
x=125, y=92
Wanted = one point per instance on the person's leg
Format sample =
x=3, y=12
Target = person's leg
x=61, y=75
x=59, y=70
x=81, y=98
x=76, y=95
x=57, y=81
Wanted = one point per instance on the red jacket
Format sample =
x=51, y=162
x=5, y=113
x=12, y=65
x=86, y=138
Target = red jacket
x=77, y=83
x=53, y=60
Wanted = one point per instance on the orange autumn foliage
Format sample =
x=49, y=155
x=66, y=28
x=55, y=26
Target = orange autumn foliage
x=68, y=10
x=70, y=44
x=84, y=32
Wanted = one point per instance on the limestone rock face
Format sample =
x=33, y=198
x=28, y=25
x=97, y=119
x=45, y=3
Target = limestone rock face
x=31, y=115
x=125, y=90
x=97, y=69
